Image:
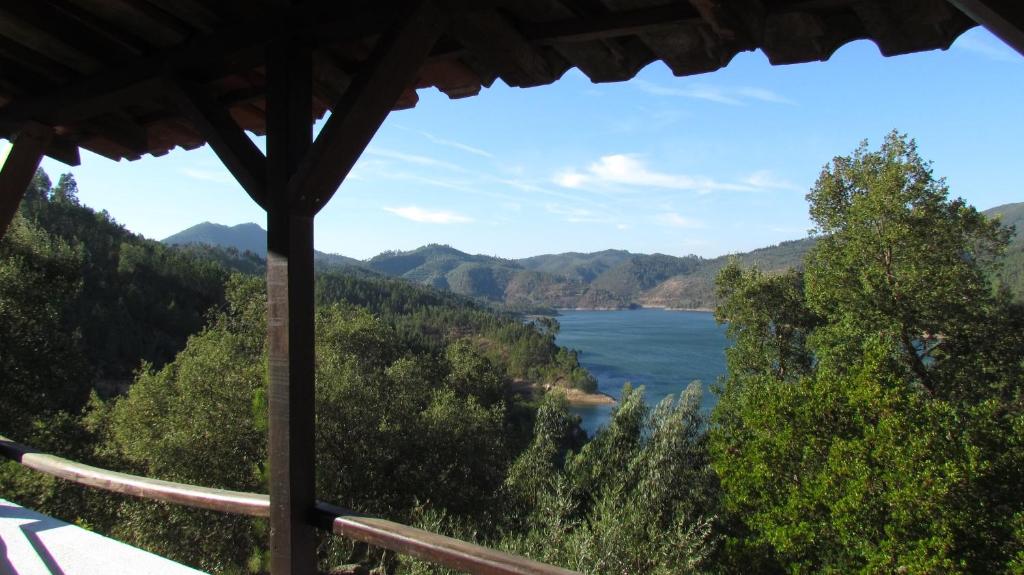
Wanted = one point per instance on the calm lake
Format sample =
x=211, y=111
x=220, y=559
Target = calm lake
x=662, y=350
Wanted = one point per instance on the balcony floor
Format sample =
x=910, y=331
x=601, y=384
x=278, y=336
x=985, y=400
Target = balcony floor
x=32, y=543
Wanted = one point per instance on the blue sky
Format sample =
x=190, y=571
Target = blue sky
x=706, y=164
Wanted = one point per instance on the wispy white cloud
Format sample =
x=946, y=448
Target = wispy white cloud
x=630, y=171
x=675, y=220
x=718, y=94
x=988, y=47
x=571, y=179
x=621, y=172
x=456, y=145
x=216, y=176
x=577, y=215
x=763, y=95
x=425, y=216
x=766, y=179
x=412, y=159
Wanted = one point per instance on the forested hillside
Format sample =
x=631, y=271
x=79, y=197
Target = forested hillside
x=1012, y=272
x=870, y=422
x=416, y=417
x=610, y=279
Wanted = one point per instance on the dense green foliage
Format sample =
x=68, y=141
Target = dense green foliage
x=871, y=420
x=137, y=299
x=415, y=406
x=1012, y=272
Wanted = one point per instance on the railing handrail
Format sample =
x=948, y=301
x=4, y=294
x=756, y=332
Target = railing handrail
x=425, y=545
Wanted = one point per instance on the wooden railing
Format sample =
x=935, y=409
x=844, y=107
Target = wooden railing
x=430, y=547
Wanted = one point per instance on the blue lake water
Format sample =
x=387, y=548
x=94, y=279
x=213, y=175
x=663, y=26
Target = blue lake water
x=662, y=350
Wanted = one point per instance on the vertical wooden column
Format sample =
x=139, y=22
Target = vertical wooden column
x=290, y=314
x=19, y=168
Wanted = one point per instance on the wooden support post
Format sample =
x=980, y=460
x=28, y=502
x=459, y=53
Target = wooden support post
x=301, y=177
x=18, y=170
x=290, y=314
x=1004, y=18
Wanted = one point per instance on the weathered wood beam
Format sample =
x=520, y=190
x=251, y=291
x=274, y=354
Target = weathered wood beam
x=122, y=130
x=64, y=151
x=736, y=21
x=26, y=152
x=233, y=49
x=1004, y=18
x=290, y=319
x=235, y=149
x=493, y=39
x=45, y=42
x=610, y=25
x=389, y=71
x=72, y=26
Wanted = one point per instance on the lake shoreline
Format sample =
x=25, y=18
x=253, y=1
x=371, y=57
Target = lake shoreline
x=636, y=308
x=575, y=397
x=659, y=349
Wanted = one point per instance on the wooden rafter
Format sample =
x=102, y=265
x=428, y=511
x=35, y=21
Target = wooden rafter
x=237, y=48
x=1004, y=18
x=227, y=139
x=388, y=72
x=16, y=174
x=493, y=38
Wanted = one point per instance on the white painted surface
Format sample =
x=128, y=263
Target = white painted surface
x=32, y=543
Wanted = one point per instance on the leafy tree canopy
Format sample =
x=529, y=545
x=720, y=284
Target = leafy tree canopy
x=872, y=411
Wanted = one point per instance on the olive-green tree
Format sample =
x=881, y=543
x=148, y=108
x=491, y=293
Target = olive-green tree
x=872, y=410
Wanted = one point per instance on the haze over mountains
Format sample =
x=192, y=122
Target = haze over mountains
x=607, y=279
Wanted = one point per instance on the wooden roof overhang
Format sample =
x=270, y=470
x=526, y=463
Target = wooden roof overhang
x=110, y=76
x=127, y=78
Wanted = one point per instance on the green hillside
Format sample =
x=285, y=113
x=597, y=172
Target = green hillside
x=245, y=238
x=575, y=265
x=1012, y=274
x=445, y=267
x=609, y=279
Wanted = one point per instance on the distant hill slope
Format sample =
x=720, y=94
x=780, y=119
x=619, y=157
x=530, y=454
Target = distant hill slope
x=609, y=279
x=575, y=265
x=1009, y=215
x=1012, y=273
x=248, y=237
x=243, y=237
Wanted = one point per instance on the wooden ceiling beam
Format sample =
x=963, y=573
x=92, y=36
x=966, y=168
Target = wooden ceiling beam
x=609, y=25
x=20, y=167
x=736, y=22
x=79, y=31
x=493, y=39
x=1004, y=18
x=64, y=151
x=122, y=130
x=235, y=149
x=52, y=45
x=389, y=71
x=235, y=49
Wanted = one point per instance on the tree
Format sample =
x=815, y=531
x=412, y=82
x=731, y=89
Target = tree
x=638, y=498
x=66, y=190
x=42, y=369
x=872, y=412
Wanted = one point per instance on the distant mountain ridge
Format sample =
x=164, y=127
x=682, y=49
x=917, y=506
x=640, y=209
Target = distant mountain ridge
x=248, y=237
x=609, y=279
x=1012, y=273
